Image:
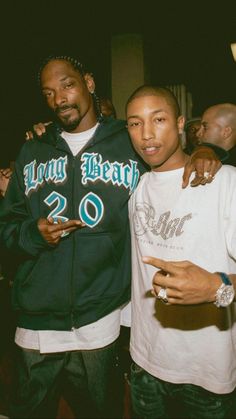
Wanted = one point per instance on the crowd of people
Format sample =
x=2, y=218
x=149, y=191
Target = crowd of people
x=112, y=240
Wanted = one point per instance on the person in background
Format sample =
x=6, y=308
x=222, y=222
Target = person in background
x=66, y=213
x=218, y=127
x=183, y=325
x=190, y=128
x=107, y=107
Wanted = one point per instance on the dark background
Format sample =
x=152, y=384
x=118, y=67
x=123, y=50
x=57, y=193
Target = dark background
x=185, y=42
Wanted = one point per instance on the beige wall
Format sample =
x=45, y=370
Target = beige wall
x=129, y=71
x=127, y=68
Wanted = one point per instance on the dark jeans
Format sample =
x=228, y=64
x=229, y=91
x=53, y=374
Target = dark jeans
x=90, y=377
x=153, y=398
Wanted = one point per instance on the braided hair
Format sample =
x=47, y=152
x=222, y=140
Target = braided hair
x=78, y=66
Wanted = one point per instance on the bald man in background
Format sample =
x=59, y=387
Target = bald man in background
x=218, y=127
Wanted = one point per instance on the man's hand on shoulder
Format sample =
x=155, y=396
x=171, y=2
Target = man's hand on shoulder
x=39, y=129
x=205, y=163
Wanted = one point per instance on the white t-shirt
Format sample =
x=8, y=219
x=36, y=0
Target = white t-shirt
x=92, y=336
x=76, y=141
x=184, y=344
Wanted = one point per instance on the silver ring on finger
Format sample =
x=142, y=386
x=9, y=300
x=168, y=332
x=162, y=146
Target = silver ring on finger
x=162, y=295
x=208, y=175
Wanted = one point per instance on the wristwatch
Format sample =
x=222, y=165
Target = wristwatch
x=225, y=293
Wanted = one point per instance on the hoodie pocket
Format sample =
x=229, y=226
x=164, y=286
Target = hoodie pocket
x=45, y=284
x=98, y=262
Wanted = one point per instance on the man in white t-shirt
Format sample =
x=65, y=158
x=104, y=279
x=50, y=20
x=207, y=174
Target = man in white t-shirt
x=183, y=325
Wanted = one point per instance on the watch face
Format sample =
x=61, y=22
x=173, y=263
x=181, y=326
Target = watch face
x=227, y=296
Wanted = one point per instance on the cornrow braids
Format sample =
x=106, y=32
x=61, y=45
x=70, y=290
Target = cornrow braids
x=78, y=66
x=97, y=106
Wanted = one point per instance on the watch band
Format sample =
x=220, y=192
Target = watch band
x=225, y=279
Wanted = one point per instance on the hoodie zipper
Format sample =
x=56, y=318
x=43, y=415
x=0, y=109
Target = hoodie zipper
x=73, y=253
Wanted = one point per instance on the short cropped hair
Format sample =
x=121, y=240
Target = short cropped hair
x=149, y=90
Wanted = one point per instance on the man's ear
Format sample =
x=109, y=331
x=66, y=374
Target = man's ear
x=89, y=82
x=180, y=123
x=227, y=132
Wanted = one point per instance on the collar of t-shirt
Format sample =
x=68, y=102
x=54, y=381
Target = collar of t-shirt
x=76, y=141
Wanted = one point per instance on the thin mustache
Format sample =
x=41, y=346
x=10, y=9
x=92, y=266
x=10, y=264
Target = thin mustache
x=59, y=109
